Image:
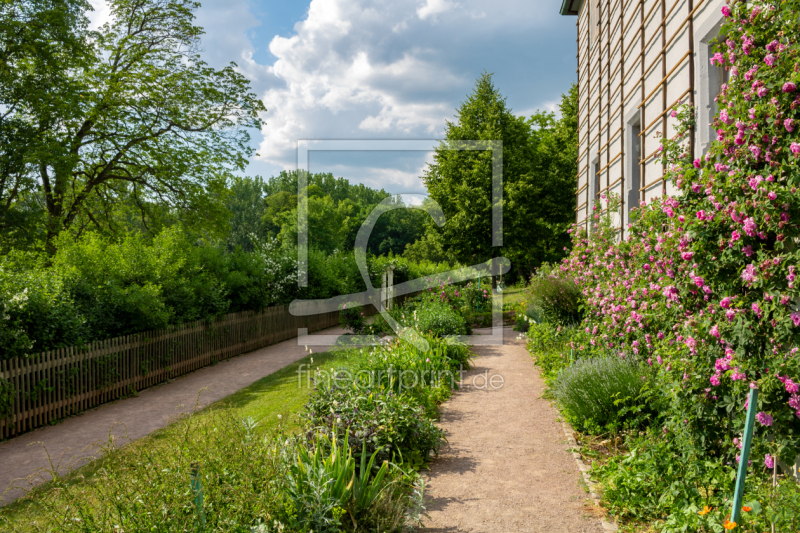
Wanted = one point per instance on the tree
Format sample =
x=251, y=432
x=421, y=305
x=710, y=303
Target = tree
x=538, y=184
x=540, y=207
x=145, y=118
x=41, y=43
x=461, y=181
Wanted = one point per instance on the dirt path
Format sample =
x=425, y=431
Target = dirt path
x=505, y=468
x=73, y=442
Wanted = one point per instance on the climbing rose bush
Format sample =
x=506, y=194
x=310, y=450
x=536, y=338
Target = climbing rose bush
x=704, y=287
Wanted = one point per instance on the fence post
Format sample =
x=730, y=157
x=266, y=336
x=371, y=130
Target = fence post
x=738, y=493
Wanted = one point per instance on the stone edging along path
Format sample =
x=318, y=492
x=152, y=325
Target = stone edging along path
x=74, y=441
x=506, y=466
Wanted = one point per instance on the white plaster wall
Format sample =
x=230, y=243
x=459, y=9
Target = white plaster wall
x=594, y=134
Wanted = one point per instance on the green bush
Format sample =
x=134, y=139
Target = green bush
x=554, y=297
x=593, y=391
x=390, y=424
x=437, y=319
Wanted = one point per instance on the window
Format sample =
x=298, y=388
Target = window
x=708, y=79
x=634, y=183
x=718, y=76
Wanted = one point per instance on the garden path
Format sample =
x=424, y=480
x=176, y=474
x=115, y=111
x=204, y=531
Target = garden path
x=505, y=466
x=74, y=441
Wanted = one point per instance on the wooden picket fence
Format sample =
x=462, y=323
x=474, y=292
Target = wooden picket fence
x=55, y=384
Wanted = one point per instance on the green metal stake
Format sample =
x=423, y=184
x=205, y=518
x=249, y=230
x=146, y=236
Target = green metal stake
x=747, y=438
x=197, y=490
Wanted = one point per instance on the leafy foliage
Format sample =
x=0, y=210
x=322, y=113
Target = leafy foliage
x=538, y=180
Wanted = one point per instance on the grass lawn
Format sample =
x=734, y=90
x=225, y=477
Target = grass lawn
x=511, y=297
x=282, y=393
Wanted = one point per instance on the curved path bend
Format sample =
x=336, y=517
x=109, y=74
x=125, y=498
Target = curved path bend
x=505, y=467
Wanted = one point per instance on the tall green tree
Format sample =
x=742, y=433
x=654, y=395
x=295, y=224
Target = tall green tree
x=42, y=42
x=144, y=118
x=538, y=186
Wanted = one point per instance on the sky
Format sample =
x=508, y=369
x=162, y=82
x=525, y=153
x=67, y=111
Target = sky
x=380, y=69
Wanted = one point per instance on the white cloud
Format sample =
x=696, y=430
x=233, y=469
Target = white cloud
x=390, y=69
x=434, y=7
x=100, y=15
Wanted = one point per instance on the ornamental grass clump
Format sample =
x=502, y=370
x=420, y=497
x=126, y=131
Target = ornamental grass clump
x=593, y=391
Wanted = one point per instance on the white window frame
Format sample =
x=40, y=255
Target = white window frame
x=706, y=80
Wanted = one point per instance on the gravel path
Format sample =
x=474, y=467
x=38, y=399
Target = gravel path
x=505, y=467
x=73, y=442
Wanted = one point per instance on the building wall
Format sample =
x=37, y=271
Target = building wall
x=642, y=59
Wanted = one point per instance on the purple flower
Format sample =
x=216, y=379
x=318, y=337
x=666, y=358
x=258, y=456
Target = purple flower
x=795, y=148
x=687, y=256
x=696, y=163
x=714, y=380
x=718, y=59
x=714, y=331
x=789, y=125
x=725, y=303
x=769, y=60
x=755, y=150
x=764, y=419
x=726, y=11
x=795, y=318
x=789, y=87
x=771, y=47
x=735, y=236
x=771, y=195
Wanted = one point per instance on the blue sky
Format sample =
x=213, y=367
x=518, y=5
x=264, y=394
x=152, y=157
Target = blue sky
x=381, y=69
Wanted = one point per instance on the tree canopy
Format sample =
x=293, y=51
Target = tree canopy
x=539, y=178
x=135, y=118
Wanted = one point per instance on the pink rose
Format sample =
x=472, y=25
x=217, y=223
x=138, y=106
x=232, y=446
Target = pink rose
x=714, y=380
x=795, y=148
x=789, y=87
x=771, y=195
x=789, y=125
x=750, y=227
x=726, y=11
x=696, y=163
x=687, y=256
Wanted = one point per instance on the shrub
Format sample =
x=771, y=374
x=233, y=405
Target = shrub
x=390, y=424
x=592, y=390
x=437, y=319
x=555, y=298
